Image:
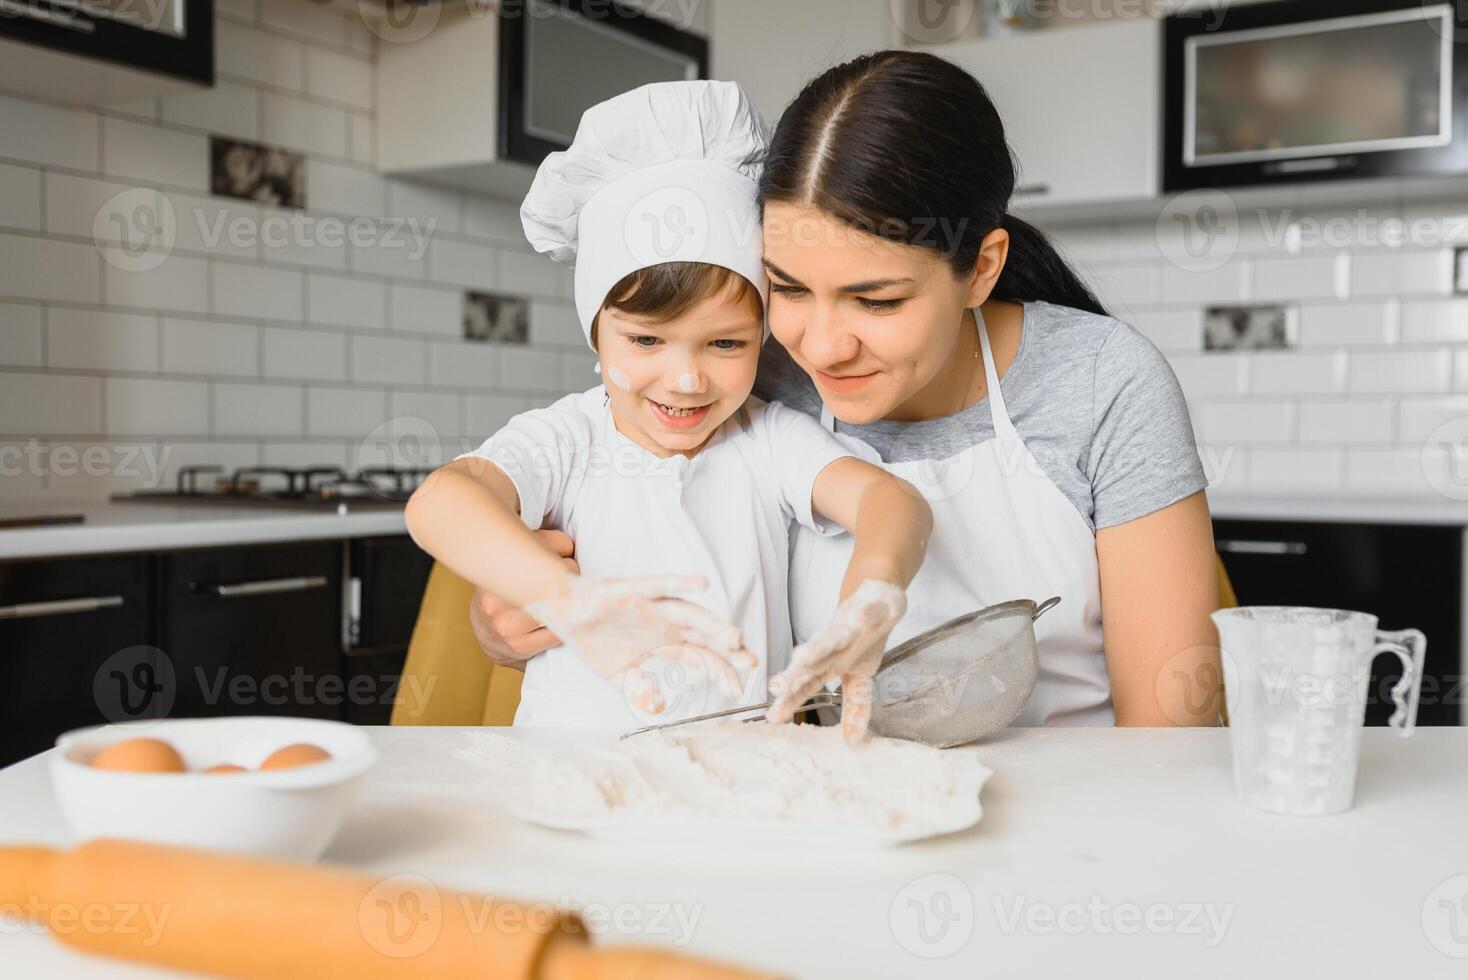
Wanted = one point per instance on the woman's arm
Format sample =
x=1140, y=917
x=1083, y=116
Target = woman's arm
x=507, y=634
x=466, y=514
x=888, y=518
x=1159, y=582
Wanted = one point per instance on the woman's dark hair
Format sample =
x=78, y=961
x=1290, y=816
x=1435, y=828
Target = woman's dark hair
x=664, y=292
x=907, y=146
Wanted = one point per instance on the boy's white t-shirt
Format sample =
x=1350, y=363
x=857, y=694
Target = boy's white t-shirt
x=723, y=514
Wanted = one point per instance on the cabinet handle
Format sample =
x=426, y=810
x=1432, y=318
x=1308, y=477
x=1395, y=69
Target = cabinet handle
x=1262, y=547
x=267, y=586
x=59, y=607
x=1027, y=190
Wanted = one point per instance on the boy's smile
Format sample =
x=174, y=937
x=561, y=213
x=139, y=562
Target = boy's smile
x=679, y=418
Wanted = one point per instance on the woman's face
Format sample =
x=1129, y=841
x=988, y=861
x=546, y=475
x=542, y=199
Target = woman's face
x=871, y=321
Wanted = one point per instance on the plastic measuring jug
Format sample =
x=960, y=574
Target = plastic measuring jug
x=1295, y=680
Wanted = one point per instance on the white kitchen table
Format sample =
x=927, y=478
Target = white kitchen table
x=1102, y=853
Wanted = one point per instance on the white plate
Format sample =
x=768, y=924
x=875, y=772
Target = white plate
x=803, y=768
x=740, y=833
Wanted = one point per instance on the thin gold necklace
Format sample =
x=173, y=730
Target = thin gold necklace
x=973, y=372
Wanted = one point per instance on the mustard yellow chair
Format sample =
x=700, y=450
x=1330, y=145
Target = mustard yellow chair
x=447, y=679
x=1226, y=597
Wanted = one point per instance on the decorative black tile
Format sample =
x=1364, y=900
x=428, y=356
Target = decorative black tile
x=252, y=172
x=1249, y=327
x=496, y=318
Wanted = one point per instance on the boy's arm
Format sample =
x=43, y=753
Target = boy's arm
x=466, y=514
x=890, y=522
x=887, y=517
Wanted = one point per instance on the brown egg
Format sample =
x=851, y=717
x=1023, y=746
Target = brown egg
x=140, y=755
x=299, y=754
x=224, y=767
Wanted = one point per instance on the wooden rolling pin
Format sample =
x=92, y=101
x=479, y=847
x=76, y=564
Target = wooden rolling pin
x=245, y=917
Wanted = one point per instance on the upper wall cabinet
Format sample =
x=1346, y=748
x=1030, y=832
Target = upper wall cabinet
x=1080, y=107
x=484, y=92
x=95, y=53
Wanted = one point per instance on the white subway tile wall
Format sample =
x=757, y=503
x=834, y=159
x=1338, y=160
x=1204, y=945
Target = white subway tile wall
x=263, y=335
x=1365, y=402
x=268, y=336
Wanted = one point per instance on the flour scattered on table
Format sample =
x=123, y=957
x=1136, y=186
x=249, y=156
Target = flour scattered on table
x=754, y=777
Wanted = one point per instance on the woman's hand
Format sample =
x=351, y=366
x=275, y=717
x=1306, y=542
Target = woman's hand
x=508, y=634
x=850, y=649
x=617, y=624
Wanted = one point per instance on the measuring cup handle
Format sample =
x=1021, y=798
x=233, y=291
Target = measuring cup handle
x=1410, y=646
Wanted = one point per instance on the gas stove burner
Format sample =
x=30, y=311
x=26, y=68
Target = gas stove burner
x=386, y=482
x=311, y=486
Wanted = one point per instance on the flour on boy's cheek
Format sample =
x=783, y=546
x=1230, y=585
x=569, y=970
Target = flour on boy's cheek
x=619, y=378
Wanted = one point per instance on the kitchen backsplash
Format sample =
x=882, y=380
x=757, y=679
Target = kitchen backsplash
x=264, y=335
x=1376, y=386
x=334, y=335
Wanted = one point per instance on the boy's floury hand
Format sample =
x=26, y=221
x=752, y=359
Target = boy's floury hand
x=849, y=649
x=616, y=624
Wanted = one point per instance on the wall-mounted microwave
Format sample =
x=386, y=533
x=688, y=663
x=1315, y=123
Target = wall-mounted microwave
x=558, y=58
x=100, y=51
x=1302, y=91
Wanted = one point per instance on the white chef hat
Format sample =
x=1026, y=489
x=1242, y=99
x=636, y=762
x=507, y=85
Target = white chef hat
x=667, y=172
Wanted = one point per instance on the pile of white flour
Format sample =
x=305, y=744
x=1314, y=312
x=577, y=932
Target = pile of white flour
x=737, y=774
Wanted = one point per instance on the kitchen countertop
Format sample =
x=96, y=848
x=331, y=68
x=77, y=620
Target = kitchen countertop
x=1102, y=853
x=120, y=526
x=1365, y=510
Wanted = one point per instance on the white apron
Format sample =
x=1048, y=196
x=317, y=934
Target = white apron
x=1001, y=530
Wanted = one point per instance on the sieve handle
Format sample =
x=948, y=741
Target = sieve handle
x=1045, y=607
x=821, y=699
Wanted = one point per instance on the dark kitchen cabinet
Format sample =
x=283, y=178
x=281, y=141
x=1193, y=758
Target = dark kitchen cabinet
x=230, y=630
x=255, y=630
x=75, y=648
x=1408, y=576
x=384, y=591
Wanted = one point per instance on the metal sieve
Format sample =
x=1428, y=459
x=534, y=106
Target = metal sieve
x=948, y=686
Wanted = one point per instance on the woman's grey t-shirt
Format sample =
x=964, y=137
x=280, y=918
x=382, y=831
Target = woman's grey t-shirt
x=1095, y=402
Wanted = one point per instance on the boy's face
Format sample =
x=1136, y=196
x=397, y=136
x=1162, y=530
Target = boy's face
x=703, y=361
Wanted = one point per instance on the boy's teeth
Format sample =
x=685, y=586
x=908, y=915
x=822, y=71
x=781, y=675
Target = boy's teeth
x=675, y=411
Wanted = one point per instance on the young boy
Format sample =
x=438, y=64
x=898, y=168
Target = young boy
x=670, y=478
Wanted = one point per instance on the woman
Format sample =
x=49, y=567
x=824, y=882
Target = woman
x=948, y=341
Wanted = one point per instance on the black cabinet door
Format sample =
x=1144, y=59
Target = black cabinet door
x=392, y=572
x=389, y=575
x=255, y=630
x=1406, y=576
x=76, y=648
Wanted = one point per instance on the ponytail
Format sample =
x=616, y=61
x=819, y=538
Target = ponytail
x=1036, y=271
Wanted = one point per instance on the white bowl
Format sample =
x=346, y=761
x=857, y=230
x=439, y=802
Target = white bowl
x=289, y=813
